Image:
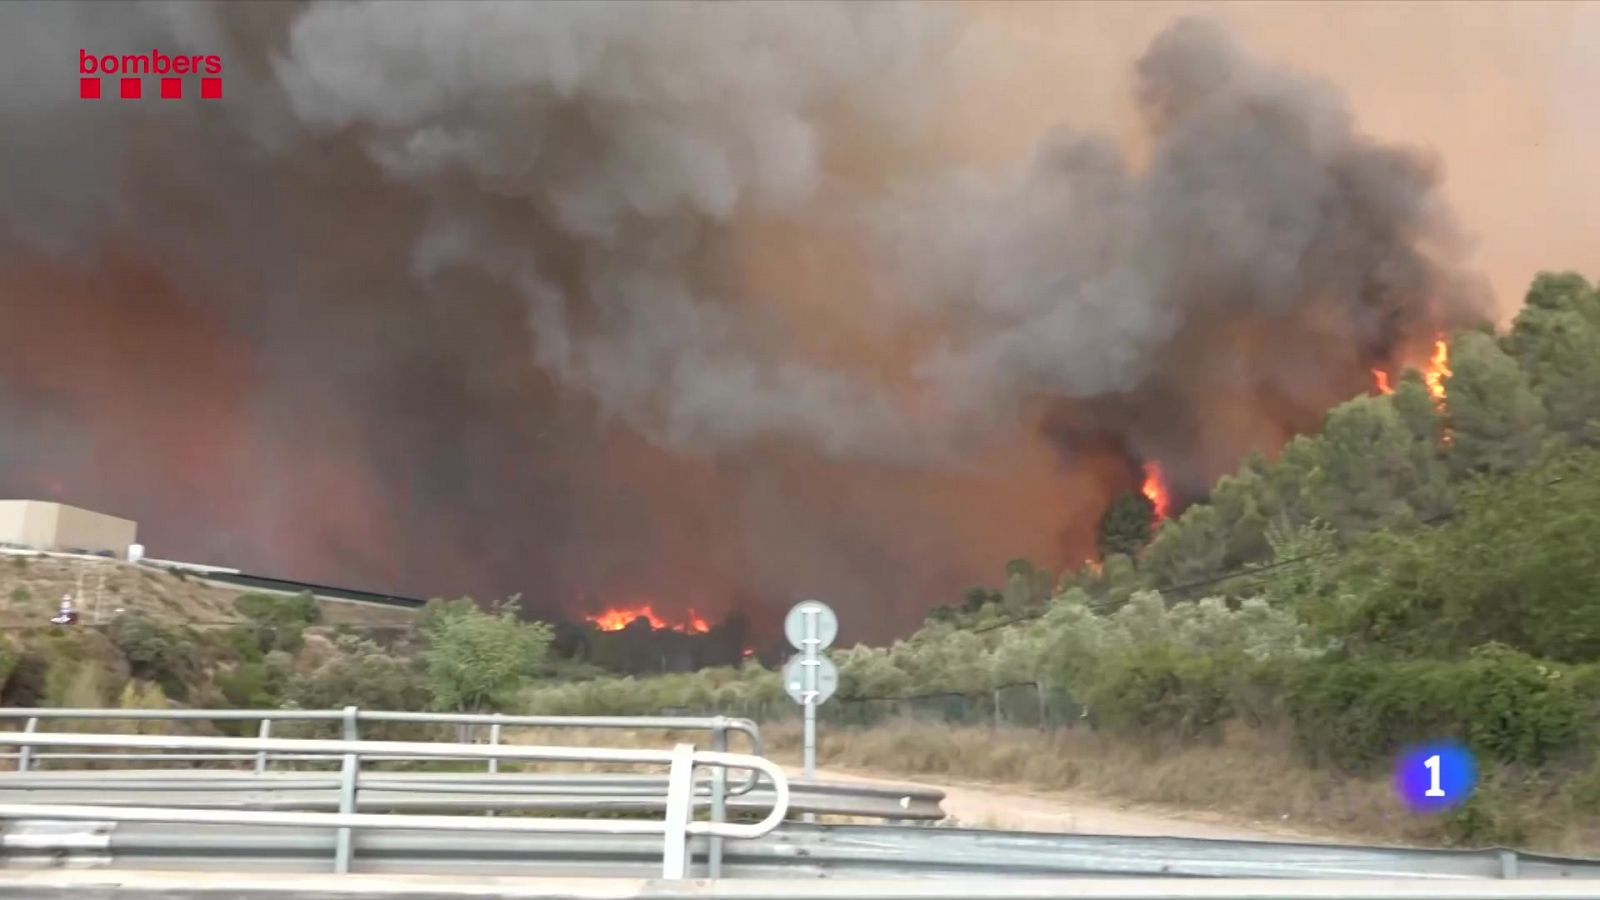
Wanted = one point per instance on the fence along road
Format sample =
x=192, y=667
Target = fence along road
x=674, y=827
x=482, y=852
x=82, y=885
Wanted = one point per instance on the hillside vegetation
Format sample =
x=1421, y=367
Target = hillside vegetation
x=1424, y=567
x=148, y=637
x=31, y=588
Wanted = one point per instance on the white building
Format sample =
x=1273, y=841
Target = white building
x=41, y=525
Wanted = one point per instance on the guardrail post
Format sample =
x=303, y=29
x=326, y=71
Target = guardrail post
x=1508, y=864
x=494, y=740
x=719, y=802
x=25, y=758
x=348, y=773
x=680, y=795
x=261, y=755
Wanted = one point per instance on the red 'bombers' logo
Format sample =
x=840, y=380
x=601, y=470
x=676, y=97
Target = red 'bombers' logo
x=131, y=69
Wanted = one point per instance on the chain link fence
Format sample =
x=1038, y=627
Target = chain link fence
x=1025, y=704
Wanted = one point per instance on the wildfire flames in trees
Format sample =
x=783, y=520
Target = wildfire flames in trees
x=1438, y=370
x=1433, y=375
x=1155, y=490
x=621, y=617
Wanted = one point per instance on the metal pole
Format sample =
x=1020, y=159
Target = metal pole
x=809, y=682
x=261, y=755
x=809, y=667
x=347, y=795
x=675, y=824
x=26, y=757
x=719, y=803
x=494, y=761
x=494, y=740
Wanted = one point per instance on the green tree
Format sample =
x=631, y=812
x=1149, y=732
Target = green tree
x=976, y=598
x=1518, y=566
x=361, y=674
x=279, y=608
x=1188, y=548
x=1559, y=291
x=1514, y=565
x=158, y=652
x=1127, y=524
x=476, y=660
x=1119, y=578
x=1366, y=466
x=1026, y=586
x=1429, y=495
x=1556, y=339
x=1244, y=503
x=1495, y=421
x=1302, y=557
x=1290, y=478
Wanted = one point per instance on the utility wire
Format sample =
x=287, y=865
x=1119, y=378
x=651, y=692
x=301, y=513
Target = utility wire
x=1242, y=572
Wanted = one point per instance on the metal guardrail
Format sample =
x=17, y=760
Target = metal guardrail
x=352, y=718
x=481, y=852
x=451, y=792
x=674, y=827
x=793, y=851
x=76, y=885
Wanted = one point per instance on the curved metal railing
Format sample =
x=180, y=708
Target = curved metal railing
x=675, y=826
x=352, y=718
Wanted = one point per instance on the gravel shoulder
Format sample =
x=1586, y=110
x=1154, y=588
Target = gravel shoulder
x=1019, y=809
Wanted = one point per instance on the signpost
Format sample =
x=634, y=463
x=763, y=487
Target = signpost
x=808, y=677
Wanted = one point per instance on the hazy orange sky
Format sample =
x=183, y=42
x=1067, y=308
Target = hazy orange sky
x=1504, y=94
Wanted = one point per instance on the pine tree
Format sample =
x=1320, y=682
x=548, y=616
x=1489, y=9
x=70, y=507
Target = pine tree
x=1495, y=421
x=1556, y=339
x=1126, y=526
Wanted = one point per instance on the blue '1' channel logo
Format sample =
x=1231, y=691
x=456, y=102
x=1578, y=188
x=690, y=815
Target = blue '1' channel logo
x=1435, y=777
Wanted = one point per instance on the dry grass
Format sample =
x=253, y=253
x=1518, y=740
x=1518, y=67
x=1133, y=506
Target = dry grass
x=1248, y=775
x=31, y=587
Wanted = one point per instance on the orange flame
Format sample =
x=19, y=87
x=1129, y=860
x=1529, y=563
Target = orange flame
x=1438, y=370
x=1155, y=489
x=619, y=618
x=1433, y=375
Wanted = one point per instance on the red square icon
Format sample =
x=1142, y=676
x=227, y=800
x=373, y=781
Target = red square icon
x=211, y=89
x=89, y=88
x=171, y=88
x=132, y=88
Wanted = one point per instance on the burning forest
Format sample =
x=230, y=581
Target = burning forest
x=672, y=301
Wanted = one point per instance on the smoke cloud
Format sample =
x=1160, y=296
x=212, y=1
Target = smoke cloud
x=714, y=305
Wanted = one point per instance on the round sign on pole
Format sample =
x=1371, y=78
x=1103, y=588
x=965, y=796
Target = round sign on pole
x=794, y=679
x=794, y=624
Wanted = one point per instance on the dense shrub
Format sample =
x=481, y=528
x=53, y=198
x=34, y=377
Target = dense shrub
x=258, y=684
x=1507, y=706
x=159, y=652
x=361, y=674
x=1162, y=691
x=280, y=609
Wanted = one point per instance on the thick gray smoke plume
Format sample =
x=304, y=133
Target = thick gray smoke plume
x=1261, y=246
x=502, y=297
x=629, y=133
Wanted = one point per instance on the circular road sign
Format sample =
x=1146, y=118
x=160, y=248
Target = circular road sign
x=794, y=679
x=794, y=624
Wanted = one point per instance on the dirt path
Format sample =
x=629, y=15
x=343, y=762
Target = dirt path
x=1020, y=809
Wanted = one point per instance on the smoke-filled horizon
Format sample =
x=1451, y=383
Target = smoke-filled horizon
x=705, y=306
